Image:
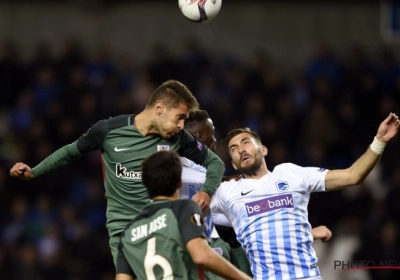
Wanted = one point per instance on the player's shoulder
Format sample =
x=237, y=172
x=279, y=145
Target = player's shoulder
x=118, y=121
x=186, y=204
x=188, y=138
x=289, y=171
x=183, y=134
x=184, y=208
x=230, y=183
x=228, y=186
x=290, y=168
x=287, y=167
x=95, y=136
x=111, y=123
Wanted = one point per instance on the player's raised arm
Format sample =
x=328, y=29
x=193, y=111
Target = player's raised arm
x=356, y=174
x=89, y=141
x=57, y=159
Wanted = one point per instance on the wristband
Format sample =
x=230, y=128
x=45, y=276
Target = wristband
x=377, y=146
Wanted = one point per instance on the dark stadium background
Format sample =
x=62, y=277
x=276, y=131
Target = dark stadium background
x=314, y=78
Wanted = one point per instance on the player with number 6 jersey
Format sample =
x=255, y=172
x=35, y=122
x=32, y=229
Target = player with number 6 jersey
x=157, y=237
x=167, y=240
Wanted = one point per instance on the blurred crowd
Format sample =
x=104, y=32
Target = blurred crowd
x=325, y=114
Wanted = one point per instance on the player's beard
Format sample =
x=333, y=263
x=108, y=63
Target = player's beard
x=251, y=169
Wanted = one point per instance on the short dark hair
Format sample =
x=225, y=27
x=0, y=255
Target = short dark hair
x=173, y=93
x=196, y=117
x=238, y=131
x=161, y=173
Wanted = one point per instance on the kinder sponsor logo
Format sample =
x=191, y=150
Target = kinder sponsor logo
x=269, y=204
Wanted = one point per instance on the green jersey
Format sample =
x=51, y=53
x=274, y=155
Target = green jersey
x=123, y=149
x=153, y=245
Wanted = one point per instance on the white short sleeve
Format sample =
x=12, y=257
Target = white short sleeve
x=191, y=164
x=192, y=173
x=220, y=219
x=217, y=201
x=315, y=178
x=312, y=177
x=193, y=176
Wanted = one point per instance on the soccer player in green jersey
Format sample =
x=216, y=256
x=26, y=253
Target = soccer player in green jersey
x=167, y=240
x=125, y=141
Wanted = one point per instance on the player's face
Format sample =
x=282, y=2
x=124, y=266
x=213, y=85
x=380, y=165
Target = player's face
x=171, y=120
x=246, y=153
x=208, y=137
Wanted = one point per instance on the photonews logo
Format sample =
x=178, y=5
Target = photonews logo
x=269, y=204
x=365, y=264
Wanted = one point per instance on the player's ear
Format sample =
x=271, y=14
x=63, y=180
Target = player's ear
x=234, y=165
x=179, y=185
x=264, y=150
x=199, y=135
x=159, y=107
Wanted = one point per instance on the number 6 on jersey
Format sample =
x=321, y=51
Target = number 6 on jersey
x=152, y=260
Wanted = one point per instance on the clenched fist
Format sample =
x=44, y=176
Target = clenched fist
x=22, y=171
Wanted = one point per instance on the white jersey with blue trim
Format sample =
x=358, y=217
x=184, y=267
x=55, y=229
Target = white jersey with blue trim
x=270, y=218
x=193, y=178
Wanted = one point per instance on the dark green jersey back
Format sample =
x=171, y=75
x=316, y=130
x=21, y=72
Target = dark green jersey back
x=123, y=149
x=153, y=246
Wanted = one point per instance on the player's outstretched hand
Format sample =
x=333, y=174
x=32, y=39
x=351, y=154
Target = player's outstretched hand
x=203, y=199
x=388, y=128
x=22, y=171
x=322, y=232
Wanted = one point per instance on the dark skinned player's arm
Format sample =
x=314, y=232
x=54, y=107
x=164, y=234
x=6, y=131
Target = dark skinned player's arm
x=215, y=169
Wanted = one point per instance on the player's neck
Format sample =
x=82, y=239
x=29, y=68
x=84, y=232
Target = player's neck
x=258, y=174
x=144, y=123
x=175, y=196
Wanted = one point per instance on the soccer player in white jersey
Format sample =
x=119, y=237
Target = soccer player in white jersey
x=201, y=126
x=268, y=210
